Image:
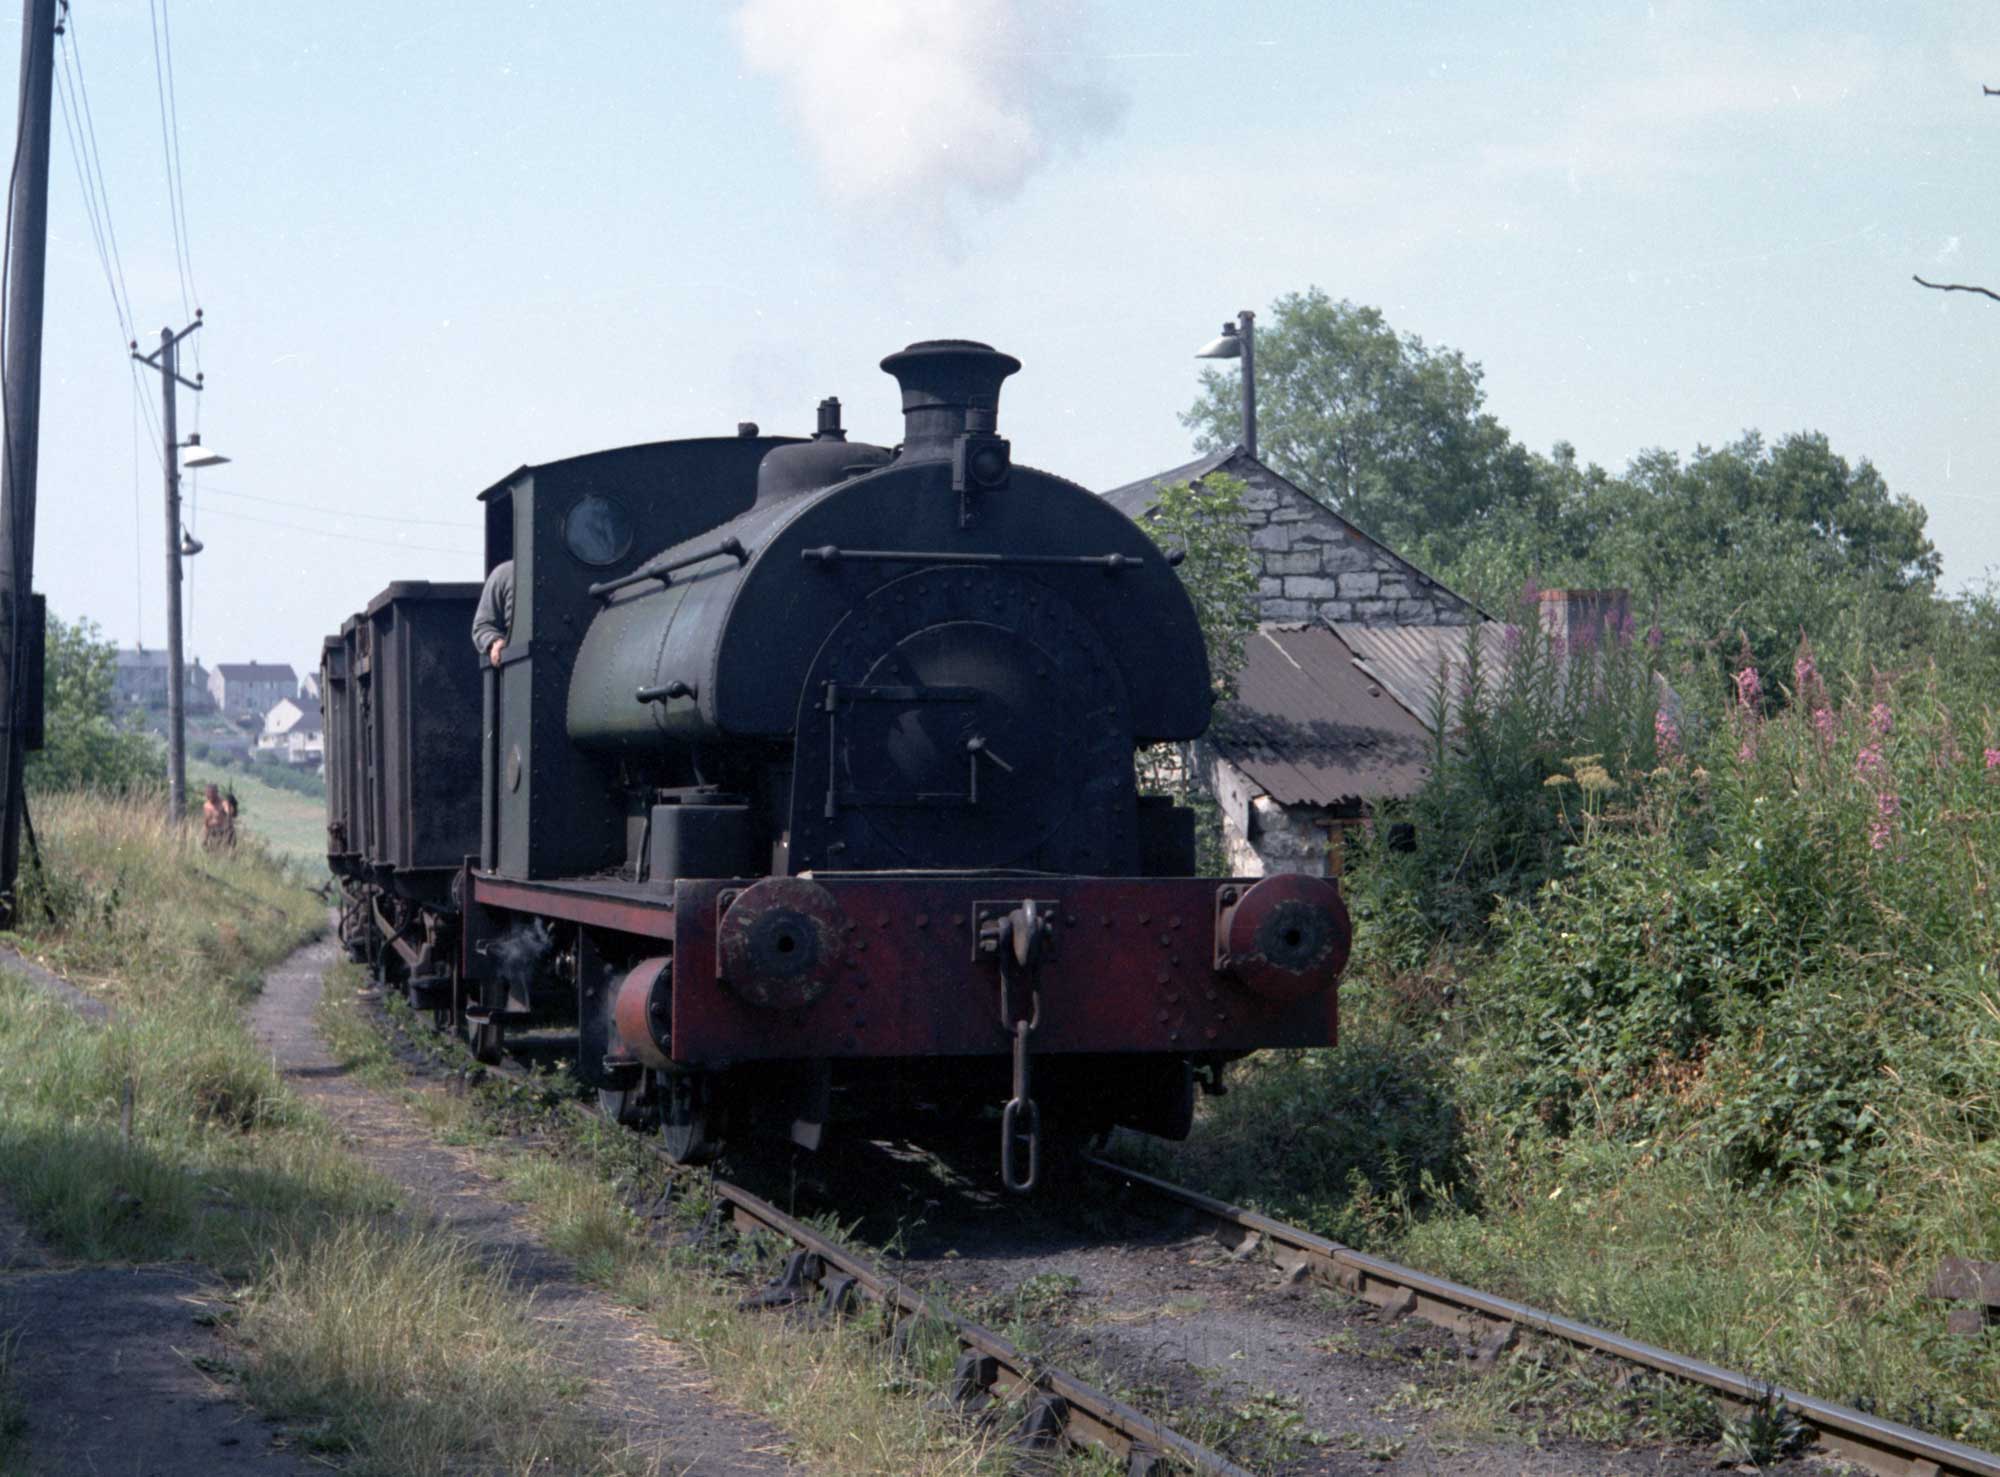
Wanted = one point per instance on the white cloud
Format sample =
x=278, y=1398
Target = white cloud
x=911, y=104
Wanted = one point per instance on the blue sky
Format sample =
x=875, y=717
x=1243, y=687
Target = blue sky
x=434, y=242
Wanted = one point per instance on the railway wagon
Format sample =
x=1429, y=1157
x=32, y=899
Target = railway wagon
x=805, y=789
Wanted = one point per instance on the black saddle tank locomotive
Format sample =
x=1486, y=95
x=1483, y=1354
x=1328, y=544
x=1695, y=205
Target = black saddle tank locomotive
x=806, y=787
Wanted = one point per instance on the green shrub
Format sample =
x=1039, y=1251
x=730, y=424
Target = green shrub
x=1327, y=1134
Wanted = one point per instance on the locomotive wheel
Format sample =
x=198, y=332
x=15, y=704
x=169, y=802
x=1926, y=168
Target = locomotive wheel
x=690, y=1121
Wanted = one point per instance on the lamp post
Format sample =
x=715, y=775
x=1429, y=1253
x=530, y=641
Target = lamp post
x=1239, y=341
x=180, y=545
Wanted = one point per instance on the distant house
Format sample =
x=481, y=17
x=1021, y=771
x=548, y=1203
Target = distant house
x=139, y=677
x=294, y=730
x=309, y=686
x=243, y=688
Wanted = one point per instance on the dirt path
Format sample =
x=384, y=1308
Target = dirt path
x=651, y=1394
x=109, y=1363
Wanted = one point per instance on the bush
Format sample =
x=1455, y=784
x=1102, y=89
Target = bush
x=1526, y=756
x=1325, y=1134
x=1776, y=949
x=84, y=748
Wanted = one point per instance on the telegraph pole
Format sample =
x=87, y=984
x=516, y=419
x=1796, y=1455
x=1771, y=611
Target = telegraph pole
x=166, y=359
x=27, y=252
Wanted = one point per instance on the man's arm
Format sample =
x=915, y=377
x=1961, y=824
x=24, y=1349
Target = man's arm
x=490, y=622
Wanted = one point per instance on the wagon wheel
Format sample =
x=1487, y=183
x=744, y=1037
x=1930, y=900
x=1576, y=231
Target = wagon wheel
x=690, y=1120
x=624, y=1105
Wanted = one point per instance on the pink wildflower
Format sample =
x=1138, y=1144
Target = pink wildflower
x=1869, y=760
x=1746, y=751
x=1888, y=805
x=1666, y=734
x=1878, y=835
x=1749, y=687
x=1993, y=758
x=1822, y=721
x=1881, y=718
x=1654, y=636
x=1803, y=671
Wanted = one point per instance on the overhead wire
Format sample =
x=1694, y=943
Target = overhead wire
x=355, y=538
x=167, y=154
x=282, y=502
x=72, y=56
x=92, y=209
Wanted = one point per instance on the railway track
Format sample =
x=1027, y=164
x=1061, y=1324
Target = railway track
x=1854, y=1436
x=1057, y=1409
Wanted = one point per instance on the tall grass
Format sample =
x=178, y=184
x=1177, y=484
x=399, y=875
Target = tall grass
x=1729, y=1078
x=168, y=1133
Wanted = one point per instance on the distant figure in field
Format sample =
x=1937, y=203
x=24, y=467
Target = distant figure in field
x=493, y=621
x=218, y=819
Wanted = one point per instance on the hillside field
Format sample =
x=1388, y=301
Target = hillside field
x=291, y=824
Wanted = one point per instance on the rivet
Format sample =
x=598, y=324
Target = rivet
x=1173, y=1035
x=862, y=944
x=1161, y=1017
x=923, y=920
x=1175, y=961
x=1166, y=941
x=1209, y=1033
x=1145, y=918
x=1173, y=997
x=1162, y=977
x=1209, y=993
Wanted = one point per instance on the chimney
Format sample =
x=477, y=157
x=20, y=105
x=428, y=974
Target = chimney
x=1579, y=618
x=950, y=386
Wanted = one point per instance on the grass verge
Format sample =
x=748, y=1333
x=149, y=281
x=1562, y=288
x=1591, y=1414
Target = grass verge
x=851, y=1404
x=167, y=1133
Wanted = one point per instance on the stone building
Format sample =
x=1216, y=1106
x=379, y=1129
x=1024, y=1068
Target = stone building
x=1315, y=565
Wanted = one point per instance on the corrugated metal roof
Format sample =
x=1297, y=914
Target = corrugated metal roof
x=1311, y=728
x=1136, y=499
x=1409, y=659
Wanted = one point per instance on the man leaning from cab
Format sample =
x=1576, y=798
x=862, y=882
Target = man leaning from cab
x=493, y=621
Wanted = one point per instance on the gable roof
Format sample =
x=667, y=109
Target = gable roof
x=1136, y=499
x=1310, y=727
x=257, y=672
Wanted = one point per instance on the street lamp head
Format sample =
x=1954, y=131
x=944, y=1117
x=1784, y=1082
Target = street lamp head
x=190, y=545
x=200, y=456
x=1229, y=346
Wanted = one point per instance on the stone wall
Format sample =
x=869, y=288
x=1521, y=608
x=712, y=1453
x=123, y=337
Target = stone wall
x=1316, y=567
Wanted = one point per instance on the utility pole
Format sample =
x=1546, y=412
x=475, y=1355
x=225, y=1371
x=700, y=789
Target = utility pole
x=27, y=251
x=166, y=359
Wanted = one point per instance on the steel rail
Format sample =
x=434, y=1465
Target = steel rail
x=1057, y=1406
x=1083, y=1413
x=1878, y=1445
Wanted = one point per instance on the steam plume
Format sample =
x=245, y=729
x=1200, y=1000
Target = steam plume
x=907, y=102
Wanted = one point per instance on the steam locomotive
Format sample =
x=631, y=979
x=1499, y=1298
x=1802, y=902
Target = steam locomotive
x=805, y=789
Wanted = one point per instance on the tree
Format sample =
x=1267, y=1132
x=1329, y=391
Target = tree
x=1203, y=523
x=1751, y=537
x=84, y=746
x=1390, y=433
